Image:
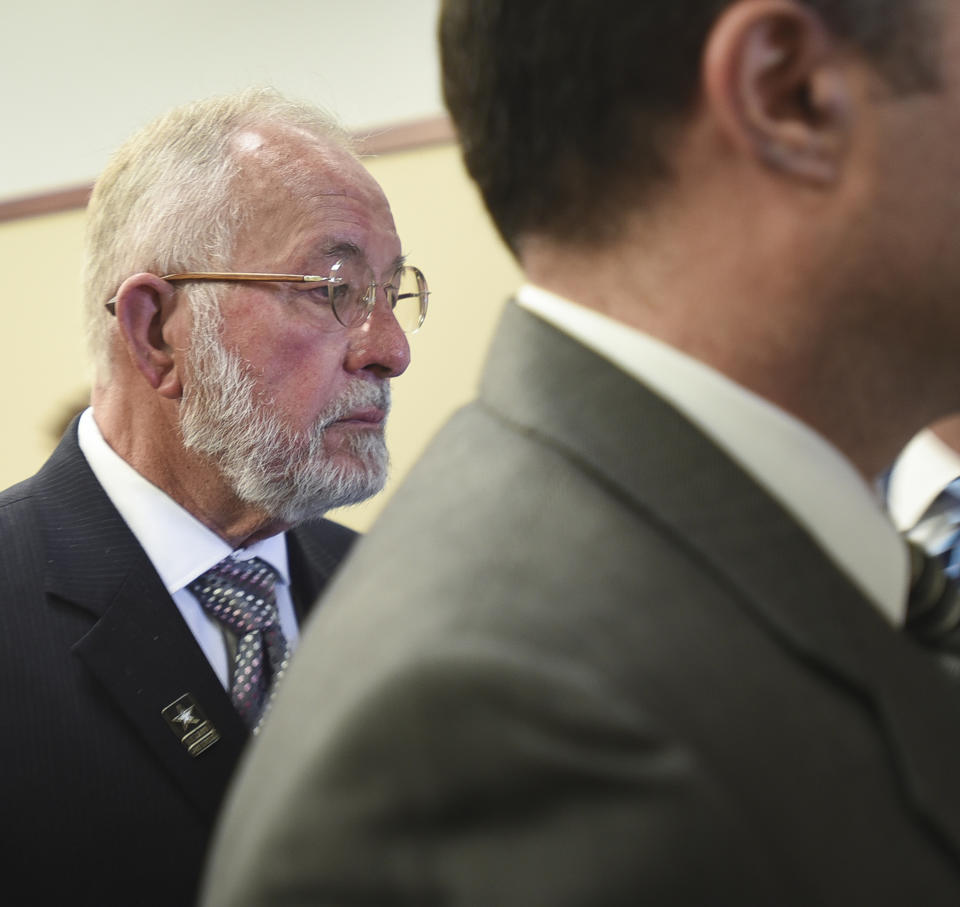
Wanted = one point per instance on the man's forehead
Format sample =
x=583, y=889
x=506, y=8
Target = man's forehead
x=278, y=147
x=289, y=161
x=304, y=197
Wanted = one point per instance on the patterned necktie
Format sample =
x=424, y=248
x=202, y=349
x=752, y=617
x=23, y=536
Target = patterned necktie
x=933, y=609
x=938, y=530
x=239, y=595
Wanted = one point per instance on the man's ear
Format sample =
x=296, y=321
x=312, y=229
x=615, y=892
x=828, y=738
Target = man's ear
x=775, y=79
x=144, y=307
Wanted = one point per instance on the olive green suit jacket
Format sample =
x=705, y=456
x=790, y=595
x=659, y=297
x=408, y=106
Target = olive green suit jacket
x=583, y=659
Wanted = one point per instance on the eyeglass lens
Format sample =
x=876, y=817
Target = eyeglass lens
x=353, y=294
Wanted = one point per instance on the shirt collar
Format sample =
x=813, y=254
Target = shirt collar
x=924, y=468
x=178, y=545
x=813, y=480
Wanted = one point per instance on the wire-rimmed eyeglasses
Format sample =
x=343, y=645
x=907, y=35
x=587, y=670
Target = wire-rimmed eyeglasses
x=349, y=291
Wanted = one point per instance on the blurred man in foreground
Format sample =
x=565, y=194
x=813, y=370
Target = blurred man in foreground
x=631, y=631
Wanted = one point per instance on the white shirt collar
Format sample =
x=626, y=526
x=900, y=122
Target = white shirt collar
x=797, y=466
x=179, y=546
x=924, y=468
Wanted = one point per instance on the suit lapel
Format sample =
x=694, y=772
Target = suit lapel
x=146, y=659
x=315, y=550
x=138, y=647
x=662, y=466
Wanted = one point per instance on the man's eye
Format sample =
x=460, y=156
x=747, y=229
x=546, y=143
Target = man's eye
x=329, y=293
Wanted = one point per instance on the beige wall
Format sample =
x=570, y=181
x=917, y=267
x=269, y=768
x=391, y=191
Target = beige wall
x=43, y=369
x=444, y=229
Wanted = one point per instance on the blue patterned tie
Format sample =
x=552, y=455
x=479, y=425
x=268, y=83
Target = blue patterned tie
x=240, y=596
x=933, y=608
x=938, y=531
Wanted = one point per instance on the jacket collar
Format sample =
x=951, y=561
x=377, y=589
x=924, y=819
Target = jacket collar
x=545, y=383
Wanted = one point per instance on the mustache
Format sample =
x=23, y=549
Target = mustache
x=360, y=394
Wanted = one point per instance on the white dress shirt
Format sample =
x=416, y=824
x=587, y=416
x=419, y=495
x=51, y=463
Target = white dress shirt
x=925, y=467
x=810, y=478
x=179, y=546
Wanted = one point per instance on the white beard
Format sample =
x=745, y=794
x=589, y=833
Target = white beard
x=289, y=475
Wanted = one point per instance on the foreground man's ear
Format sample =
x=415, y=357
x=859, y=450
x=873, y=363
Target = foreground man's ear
x=144, y=307
x=779, y=86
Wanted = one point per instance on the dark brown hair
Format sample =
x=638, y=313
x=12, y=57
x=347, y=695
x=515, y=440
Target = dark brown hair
x=563, y=106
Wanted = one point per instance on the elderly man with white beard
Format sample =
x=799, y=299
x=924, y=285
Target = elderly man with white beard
x=246, y=303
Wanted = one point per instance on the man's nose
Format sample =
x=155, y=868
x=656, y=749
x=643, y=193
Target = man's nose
x=379, y=345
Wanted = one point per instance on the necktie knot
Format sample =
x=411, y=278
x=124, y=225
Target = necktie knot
x=240, y=596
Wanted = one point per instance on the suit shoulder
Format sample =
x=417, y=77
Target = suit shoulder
x=322, y=543
x=328, y=532
x=16, y=503
x=17, y=492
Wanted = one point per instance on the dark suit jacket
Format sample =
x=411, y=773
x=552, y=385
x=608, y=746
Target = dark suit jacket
x=100, y=802
x=583, y=659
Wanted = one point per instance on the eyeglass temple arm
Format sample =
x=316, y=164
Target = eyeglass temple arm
x=111, y=304
x=248, y=275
